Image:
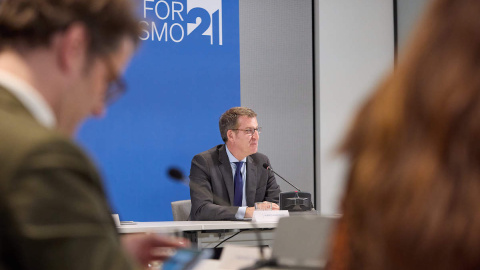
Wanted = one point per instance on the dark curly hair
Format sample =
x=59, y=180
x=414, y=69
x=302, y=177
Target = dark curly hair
x=32, y=23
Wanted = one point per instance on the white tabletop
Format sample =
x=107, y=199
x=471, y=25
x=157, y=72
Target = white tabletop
x=181, y=226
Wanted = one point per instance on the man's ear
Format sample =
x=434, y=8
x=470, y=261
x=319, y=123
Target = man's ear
x=71, y=46
x=230, y=135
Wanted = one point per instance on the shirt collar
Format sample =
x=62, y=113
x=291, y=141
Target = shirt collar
x=30, y=98
x=232, y=158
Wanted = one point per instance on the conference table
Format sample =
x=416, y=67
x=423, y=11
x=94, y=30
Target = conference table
x=209, y=234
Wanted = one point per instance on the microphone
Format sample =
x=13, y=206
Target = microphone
x=266, y=166
x=177, y=175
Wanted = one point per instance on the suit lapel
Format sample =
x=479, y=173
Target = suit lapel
x=226, y=170
x=251, y=187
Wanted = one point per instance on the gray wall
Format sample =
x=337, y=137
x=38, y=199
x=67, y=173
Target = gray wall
x=355, y=48
x=276, y=67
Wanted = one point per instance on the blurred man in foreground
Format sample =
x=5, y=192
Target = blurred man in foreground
x=227, y=180
x=60, y=62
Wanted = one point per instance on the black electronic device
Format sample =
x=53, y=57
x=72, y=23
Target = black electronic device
x=295, y=201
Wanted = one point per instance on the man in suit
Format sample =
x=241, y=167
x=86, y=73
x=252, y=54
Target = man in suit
x=227, y=180
x=57, y=58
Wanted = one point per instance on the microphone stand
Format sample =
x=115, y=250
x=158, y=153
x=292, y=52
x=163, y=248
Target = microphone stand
x=266, y=166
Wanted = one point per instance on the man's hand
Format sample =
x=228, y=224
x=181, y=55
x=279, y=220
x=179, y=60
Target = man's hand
x=146, y=248
x=275, y=206
x=249, y=212
x=268, y=206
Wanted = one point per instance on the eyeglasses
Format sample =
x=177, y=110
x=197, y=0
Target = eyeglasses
x=117, y=85
x=251, y=131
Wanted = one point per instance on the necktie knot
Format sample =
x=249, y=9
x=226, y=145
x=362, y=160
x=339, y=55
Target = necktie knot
x=239, y=165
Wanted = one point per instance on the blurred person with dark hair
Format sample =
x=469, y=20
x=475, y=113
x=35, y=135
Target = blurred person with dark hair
x=227, y=180
x=60, y=62
x=413, y=184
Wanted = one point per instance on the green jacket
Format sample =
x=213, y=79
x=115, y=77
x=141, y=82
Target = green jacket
x=53, y=210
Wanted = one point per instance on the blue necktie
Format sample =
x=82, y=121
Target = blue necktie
x=238, y=185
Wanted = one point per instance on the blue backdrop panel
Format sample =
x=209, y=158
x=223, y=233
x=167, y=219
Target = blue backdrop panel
x=185, y=74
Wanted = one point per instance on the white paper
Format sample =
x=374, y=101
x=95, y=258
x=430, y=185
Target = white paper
x=269, y=216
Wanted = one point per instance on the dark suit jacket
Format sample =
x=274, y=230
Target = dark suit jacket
x=53, y=209
x=211, y=184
